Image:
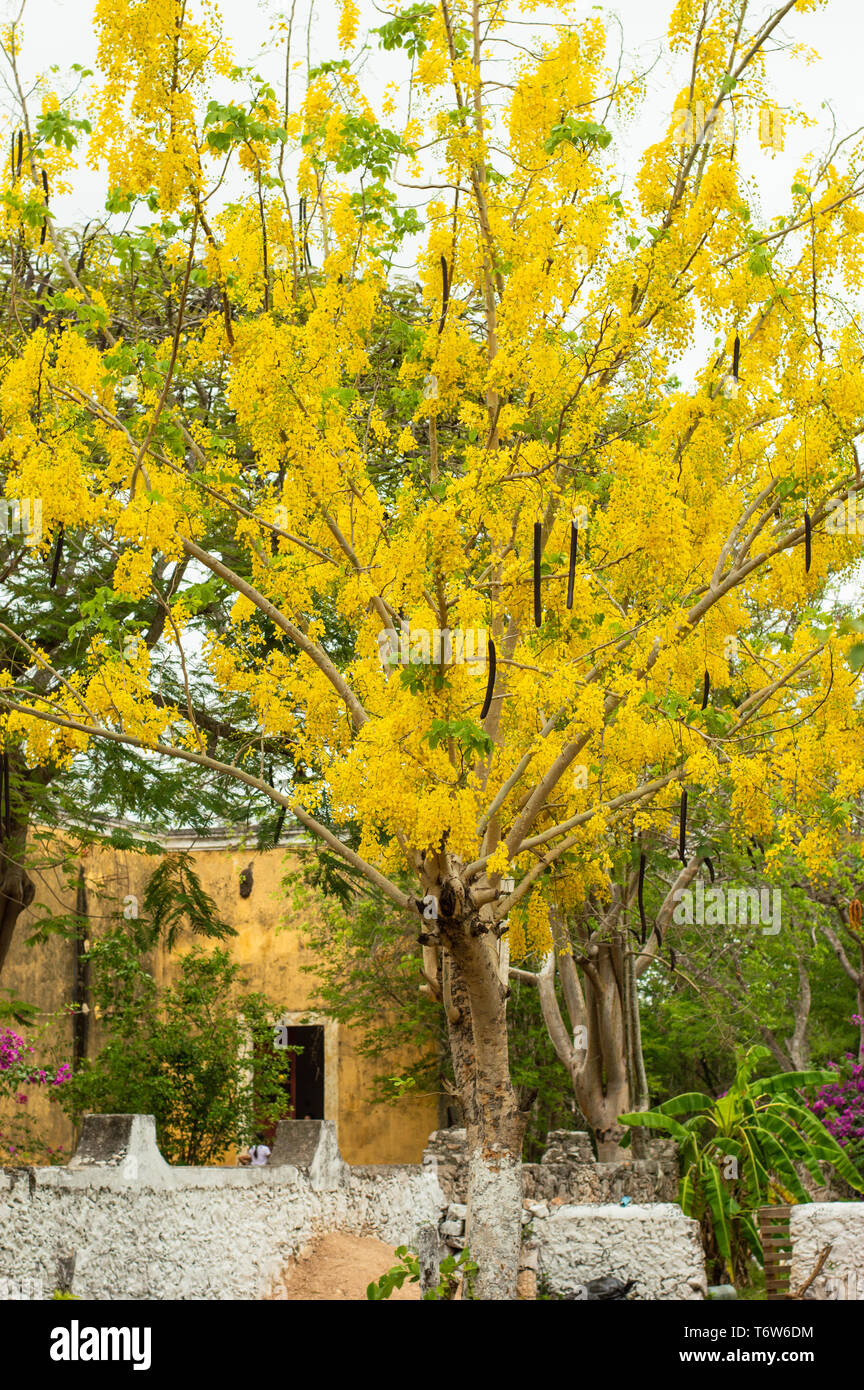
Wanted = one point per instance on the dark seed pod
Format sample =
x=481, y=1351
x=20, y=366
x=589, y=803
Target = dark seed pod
x=659, y=936
x=13, y=157
x=538, y=542
x=55, y=568
x=45, y=184
x=445, y=294
x=42, y=233
x=736, y=356
x=640, y=900
x=308, y=253
x=20, y=151
x=706, y=689
x=490, y=683
x=673, y=959
x=682, y=829
x=710, y=868
x=571, y=577
x=6, y=799
x=807, y=547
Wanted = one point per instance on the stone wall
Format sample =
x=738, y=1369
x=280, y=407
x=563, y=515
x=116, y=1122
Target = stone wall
x=656, y=1248
x=568, y=1172
x=815, y=1227
x=120, y=1223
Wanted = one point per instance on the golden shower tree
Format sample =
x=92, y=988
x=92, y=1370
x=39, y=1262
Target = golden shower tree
x=485, y=556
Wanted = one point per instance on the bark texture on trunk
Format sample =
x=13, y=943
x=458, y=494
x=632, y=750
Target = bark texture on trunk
x=476, y=1008
x=17, y=889
x=600, y=1049
x=494, y=1220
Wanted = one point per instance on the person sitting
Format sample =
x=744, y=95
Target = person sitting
x=257, y=1154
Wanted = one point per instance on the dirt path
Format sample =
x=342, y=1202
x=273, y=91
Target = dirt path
x=339, y=1267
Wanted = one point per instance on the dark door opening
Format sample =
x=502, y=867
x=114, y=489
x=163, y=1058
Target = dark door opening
x=307, y=1072
x=302, y=1080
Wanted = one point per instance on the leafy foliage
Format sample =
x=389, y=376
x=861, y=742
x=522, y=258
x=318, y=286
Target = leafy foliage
x=452, y=1270
x=764, y=1127
x=174, y=899
x=180, y=1053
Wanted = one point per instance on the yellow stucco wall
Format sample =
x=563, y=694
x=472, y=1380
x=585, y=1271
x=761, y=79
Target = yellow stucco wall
x=271, y=950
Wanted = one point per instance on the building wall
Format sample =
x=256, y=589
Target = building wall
x=270, y=947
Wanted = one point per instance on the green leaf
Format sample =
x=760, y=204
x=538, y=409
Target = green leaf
x=717, y=1198
x=781, y=1163
x=788, y=1081
x=832, y=1151
x=651, y=1119
x=683, y=1104
x=688, y=1195
x=855, y=657
x=407, y=30
x=573, y=132
x=465, y=732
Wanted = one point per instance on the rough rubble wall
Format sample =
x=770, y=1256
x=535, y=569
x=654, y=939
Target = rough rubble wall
x=568, y=1172
x=839, y=1225
x=119, y=1222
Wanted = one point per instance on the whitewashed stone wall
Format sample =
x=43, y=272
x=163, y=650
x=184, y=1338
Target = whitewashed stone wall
x=119, y=1222
x=130, y=1226
x=655, y=1245
x=840, y=1225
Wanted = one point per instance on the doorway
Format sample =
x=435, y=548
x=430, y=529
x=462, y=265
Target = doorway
x=302, y=1079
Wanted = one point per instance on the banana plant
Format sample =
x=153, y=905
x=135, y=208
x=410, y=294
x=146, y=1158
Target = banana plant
x=739, y=1152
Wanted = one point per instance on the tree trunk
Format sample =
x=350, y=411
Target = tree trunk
x=600, y=1054
x=495, y=1125
x=494, y=1220
x=603, y=1090
x=16, y=887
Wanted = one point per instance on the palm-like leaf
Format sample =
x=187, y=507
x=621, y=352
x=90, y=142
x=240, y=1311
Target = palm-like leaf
x=780, y=1163
x=652, y=1119
x=789, y=1081
x=687, y=1195
x=685, y=1103
x=717, y=1198
x=750, y=1231
x=793, y=1141
x=763, y=1123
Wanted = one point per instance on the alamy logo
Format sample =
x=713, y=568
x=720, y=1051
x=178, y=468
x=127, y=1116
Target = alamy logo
x=20, y=1289
x=693, y=126
x=417, y=646
x=74, y=1343
x=721, y=907
x=16, y=519
x=845, y=517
